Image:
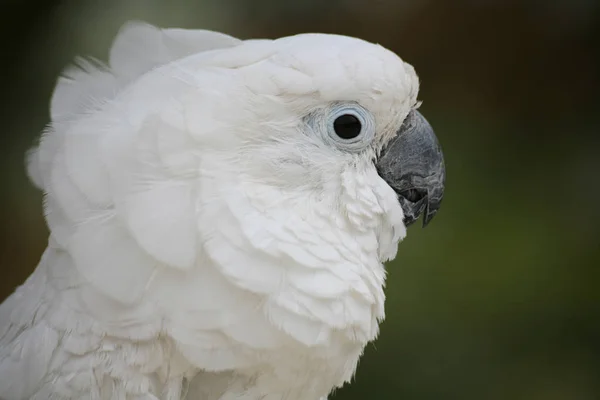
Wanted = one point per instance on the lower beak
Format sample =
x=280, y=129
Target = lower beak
x=412, y=163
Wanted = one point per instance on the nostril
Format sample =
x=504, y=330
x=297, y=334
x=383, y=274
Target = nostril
x=413, y=195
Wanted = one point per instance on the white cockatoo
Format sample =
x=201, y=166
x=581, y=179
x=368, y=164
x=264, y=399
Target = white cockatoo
x=220, y=211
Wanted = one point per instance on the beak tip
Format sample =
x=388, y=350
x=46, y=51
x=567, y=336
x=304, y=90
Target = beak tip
x=428, y=217
x=433, y=205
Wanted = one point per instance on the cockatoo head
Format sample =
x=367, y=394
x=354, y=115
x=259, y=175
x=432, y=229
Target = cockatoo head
x=327, y=114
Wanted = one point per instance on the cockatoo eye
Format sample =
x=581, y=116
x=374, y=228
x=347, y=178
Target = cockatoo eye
x=347, y=126
x=350, y=127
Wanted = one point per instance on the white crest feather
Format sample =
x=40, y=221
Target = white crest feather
x=138, y=48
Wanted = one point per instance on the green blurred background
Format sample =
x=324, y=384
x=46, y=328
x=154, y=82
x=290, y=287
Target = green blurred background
x=498, y=298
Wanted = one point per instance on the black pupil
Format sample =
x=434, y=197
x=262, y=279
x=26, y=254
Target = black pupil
x=347, y=126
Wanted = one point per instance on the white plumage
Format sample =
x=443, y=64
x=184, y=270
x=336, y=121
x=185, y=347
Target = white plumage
x=208, y=238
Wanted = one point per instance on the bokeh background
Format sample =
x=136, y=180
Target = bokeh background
x=498, y=298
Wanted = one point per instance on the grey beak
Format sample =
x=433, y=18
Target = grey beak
x=412, y=163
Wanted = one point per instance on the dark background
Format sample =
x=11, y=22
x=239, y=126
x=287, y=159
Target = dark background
x=498, y=298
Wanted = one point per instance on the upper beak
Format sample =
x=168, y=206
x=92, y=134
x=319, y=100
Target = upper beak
x=412, y=163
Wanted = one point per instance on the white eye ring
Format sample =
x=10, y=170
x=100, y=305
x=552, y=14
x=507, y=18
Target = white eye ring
x=350, y=127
